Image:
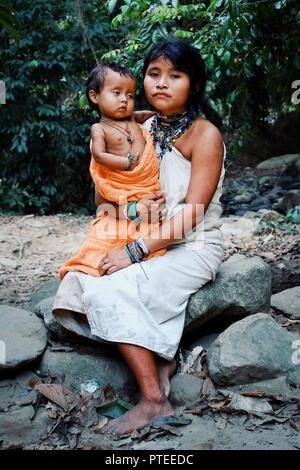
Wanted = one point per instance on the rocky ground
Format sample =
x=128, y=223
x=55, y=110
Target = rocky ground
x=222, y=402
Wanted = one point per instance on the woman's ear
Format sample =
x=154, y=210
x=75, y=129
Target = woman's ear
x=93, y=96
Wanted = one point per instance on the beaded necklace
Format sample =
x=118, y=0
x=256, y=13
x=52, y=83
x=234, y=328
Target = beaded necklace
x=166, y=133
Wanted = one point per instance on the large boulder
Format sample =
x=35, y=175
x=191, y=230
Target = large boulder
x=242, y=287
x=253, y=349
x=82, y=366
x=288, y=302
x=46, y=290
x=23, y=337
x=278, y=162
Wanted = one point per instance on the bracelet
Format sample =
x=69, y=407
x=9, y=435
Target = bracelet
x=135, y=251
x=132, y=212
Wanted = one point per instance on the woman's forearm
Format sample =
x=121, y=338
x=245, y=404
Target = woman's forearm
x=176, y=228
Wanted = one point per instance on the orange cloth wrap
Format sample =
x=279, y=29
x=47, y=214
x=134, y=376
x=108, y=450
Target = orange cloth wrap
x=108, y=232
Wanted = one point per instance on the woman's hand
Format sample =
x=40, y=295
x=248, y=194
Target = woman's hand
x=142, y=116
x=113, y=261
x=152, y=208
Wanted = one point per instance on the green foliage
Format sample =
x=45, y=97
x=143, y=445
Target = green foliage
x=43, y=133
x=7, y=19
x=250, y=50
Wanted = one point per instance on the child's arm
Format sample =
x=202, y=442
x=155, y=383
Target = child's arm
x=115, y=162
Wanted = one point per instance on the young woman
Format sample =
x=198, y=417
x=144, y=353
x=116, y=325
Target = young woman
x=143, y=311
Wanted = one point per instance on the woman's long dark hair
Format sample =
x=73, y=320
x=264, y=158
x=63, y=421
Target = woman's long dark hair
x=185, y=58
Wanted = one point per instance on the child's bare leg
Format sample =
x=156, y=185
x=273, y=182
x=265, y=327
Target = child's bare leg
x=153, y=401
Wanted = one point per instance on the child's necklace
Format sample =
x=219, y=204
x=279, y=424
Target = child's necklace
x=166, y=133
x=126, y=131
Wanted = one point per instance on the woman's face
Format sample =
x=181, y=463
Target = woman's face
x=166, y=88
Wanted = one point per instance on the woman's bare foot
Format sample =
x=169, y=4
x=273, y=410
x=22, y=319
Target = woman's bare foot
x=165, y=371
x=139, y=417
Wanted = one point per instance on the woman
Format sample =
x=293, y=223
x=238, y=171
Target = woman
x=143, y=310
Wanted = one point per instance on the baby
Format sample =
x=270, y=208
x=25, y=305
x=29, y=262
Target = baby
x=124, y=168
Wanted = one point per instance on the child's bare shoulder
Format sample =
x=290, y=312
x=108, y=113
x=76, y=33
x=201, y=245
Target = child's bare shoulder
x=97, y=130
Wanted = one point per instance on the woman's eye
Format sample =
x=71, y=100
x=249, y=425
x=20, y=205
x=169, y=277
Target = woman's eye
x=153, y=74
x=175, y=76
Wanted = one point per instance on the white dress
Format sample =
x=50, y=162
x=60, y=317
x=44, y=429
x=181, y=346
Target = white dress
x=146, y=307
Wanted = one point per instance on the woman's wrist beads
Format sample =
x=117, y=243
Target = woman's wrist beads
x=137, y=251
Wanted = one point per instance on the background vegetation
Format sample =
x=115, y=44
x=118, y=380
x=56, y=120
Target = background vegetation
x=47, y=49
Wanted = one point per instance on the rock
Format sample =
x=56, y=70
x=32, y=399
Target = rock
x=245, y=197
x=278, y=386
x=48, y=289
x=255, y=348
x=286, y=274
x=19, y=428
x=260, y=202
x=242, y=287
x=185, y=389
x=241, y=227
x=44, y=310
x=80, y=367
x=8, y=263
x=294, y=377
x=278, y=162
x=23, y=337
x=205, y=341
x=288, y=201
x=288, y=302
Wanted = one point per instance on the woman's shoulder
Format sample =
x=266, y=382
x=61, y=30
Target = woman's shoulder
x=204, y=130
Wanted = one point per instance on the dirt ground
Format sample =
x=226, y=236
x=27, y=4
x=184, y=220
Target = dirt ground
x=33, y=247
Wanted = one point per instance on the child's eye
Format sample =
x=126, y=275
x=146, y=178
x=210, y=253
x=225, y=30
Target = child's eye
x=175, y=75
x=131, y=96
x=153, y=74
x=116, y=92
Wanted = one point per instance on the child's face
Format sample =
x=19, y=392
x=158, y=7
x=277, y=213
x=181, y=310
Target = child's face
x=166, y=88
x=116, y=99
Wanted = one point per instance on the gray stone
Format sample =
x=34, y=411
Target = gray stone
x=242, y=287
x=48, y=289
x=288, y=302
x=278, y=386
x=278, y=162
x=245, y=197
x=23, y=337
x=205, y=341
x=253, y=349
x=44, y=310
x=290, y=200
x=19, y=428
x=294, y=376
x=185, y=389
x=80, y=367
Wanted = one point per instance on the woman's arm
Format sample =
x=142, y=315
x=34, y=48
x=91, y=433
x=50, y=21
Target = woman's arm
x=207, y=158
x=115, y=162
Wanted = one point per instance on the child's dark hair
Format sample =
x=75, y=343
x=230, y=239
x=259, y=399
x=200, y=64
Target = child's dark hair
x=185, y=58
x=97, y=76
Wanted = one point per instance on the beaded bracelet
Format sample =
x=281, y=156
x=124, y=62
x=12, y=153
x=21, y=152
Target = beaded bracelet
x=137, y=251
